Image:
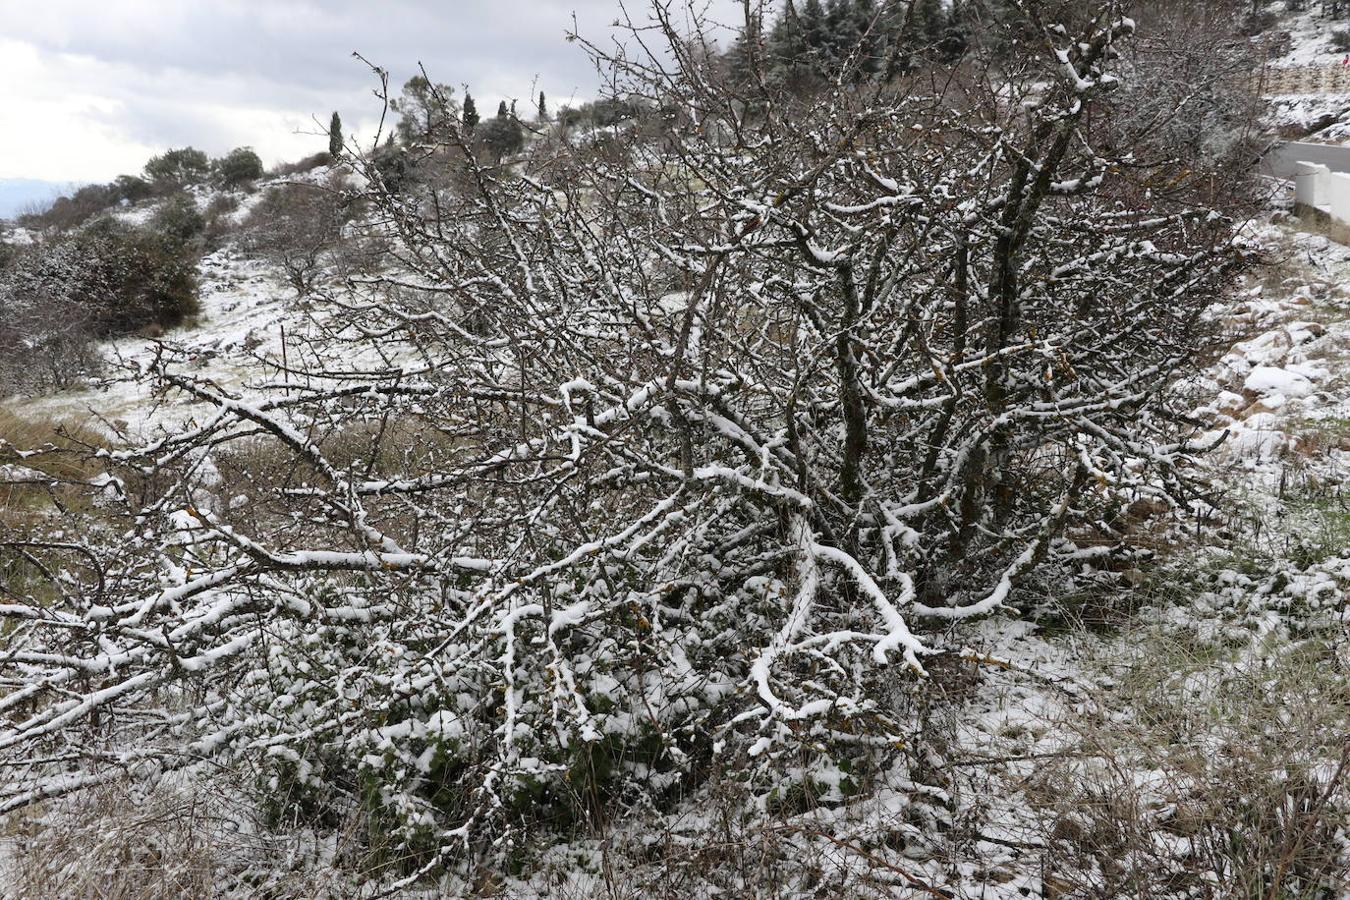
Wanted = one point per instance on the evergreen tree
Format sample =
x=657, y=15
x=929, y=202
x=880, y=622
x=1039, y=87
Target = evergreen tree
x=813, y=29
x=179, y=167
x=425, y=110
x=790, y=51
x=839, y=35
x=470, y=115
x=335, y=136
x=748, y=45
x=956, y=37
x=238, y=167
x=501, y=110
x=543, y=107
x=928, y=24
x=870, y=35
x=502, y=136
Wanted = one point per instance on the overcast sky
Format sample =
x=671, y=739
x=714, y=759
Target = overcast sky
x=92, y=88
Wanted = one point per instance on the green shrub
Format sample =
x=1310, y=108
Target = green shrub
x=132, y=189
x=237, y=168
x=122, y=279
x=180, y=167
x=178, y=220
x=501, y=136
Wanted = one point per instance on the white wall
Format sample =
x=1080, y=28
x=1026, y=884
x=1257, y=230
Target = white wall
x=1322, y=189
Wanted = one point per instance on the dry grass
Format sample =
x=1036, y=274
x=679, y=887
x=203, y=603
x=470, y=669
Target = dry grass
x=63, y=459
x=1314, y=221
x=113, y=844
x=1205, y=773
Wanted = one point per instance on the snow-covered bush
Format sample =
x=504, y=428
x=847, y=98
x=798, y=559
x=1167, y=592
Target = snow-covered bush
x=123, y=278
x=686, y=451
x=58, y=296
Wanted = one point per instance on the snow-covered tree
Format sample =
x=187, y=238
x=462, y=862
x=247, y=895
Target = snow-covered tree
x=681, y=451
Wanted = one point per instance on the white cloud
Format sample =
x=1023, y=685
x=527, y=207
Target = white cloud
x=104, y=85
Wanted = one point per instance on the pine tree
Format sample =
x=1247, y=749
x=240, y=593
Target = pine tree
x=543, y=108
x=870, y=36
x=789, y=49
x=501, y=110
x=748, y=46
x=426, y=112
x=470, y=115
x=335, y=136
x=813, y=29
x=928, y=24
x=956, y=38
x=839, y=36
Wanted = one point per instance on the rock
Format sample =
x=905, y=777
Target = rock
x=1265, y=381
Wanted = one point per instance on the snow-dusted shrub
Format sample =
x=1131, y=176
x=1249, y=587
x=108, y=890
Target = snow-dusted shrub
x=119, y=278
x=736, y=423
x=104, y=279
x=299, y=227
x=178, y=221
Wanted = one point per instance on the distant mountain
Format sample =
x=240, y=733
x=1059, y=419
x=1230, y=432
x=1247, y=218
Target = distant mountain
x=17, y=194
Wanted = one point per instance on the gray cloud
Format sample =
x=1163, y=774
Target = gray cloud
x=132, y=75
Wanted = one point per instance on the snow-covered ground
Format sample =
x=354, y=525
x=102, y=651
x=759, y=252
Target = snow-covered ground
x=1310, y=36
x=1316, y=117
x=1225, y=605
x=1038, y=719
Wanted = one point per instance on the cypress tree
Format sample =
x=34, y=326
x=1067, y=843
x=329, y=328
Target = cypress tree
x=335, y=136
x=470, y=114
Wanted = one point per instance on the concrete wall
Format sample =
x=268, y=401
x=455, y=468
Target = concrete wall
x=1317, y=189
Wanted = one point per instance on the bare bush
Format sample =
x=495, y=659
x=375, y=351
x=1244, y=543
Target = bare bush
x=299, y=227
x=301, y=166
x=739, y=415
x=46, y=344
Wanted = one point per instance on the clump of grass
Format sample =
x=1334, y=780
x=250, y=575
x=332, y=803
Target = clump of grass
x=58, y=450
x=1318, y=437
x=1309, y=524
